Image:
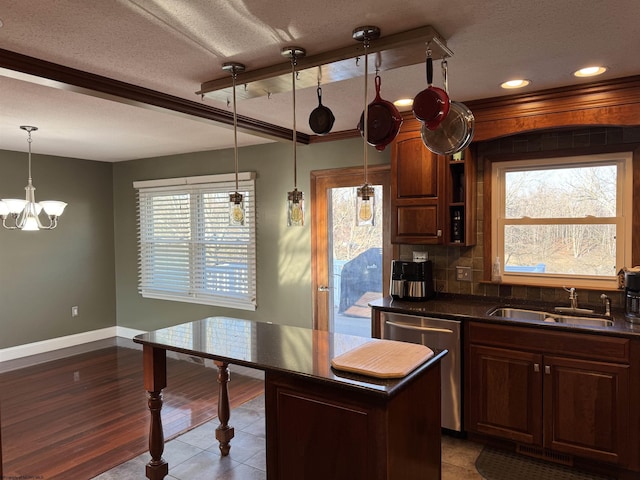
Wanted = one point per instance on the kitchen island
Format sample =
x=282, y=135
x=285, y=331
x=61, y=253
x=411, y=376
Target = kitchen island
x=320, y=422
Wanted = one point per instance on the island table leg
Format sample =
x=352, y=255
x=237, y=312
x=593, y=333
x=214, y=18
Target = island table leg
x=155, y=379
x=224, y=433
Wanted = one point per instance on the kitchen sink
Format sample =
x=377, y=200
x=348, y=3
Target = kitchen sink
x=526, y=314
x=518, y=313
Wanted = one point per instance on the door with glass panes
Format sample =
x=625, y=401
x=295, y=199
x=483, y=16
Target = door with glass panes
x=351, y=263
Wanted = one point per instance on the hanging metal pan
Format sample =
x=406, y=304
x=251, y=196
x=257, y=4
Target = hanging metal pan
x=454, y=134
x=321, y=118
x=456, y=130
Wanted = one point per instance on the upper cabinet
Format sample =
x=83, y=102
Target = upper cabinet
x=432, y=196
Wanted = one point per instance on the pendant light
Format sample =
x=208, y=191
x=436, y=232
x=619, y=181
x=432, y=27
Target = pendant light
x=236, y=199
x=365, y=200
x=295, y=198
x=26, y=213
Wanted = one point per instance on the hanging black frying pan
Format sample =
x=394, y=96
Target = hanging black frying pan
x=384, y=121
x=321, y=118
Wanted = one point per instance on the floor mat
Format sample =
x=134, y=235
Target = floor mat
x=494, y=464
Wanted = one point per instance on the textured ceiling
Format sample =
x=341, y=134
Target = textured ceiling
x=174, y=46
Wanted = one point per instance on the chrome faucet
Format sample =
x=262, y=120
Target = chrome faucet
x=573, y=297
x=607, y=304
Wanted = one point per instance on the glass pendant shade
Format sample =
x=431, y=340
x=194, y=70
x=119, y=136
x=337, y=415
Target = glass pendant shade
x=30, y=218
x=365, y=200
x=365, y=206
x=53, y=207
x=14, y=205
x=295, y=198
x=236, y=200
x=236, y=209
x=295, y=208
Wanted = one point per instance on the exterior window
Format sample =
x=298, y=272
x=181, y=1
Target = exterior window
x=187, y=250
x=562, y=221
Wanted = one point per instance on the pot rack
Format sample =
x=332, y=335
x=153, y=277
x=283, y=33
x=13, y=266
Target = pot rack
x=393, y=51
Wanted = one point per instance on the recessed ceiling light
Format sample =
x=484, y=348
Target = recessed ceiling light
x=590, y=71
x=403, y=102
x=519, y=83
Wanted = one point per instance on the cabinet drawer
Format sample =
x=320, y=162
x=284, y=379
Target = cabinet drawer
x=545, y=340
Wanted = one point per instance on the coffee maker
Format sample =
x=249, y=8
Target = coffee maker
x=632, y=295
x=411, y=280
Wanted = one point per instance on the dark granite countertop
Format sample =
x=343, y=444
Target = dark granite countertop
x=471, y=307
x=270, y=347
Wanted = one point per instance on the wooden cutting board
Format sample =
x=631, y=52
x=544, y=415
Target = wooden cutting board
x=383, y=358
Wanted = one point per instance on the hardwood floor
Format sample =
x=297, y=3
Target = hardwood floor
x=77, y=417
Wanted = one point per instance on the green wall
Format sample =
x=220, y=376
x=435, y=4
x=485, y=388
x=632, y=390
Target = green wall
x=43, y=274
x=283, y=254
x=90, y=260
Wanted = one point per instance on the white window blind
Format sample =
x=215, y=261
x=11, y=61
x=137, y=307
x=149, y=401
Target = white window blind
x=187, y=250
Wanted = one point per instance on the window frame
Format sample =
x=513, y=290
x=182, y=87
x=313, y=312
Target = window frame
x=623, y=219
x=197, y=289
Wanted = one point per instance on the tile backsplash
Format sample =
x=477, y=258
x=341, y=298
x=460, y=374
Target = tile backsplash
x=446, y=258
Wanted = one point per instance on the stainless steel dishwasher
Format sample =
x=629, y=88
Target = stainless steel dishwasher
x=435, y=333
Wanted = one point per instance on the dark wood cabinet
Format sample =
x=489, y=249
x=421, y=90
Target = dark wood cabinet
x=562, y=392
x=506, y=393
x=319, y=431
x=433, y=197
x=585, y=404
x=417, y=192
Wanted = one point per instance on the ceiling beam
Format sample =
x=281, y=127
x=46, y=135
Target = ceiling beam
x=34, y=70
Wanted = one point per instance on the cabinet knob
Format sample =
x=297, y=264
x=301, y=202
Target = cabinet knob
x=547, y=369
x=536, y=367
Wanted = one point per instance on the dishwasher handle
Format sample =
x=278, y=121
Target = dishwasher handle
x=420, y=328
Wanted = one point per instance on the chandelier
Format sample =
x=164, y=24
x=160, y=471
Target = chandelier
x=25, y=214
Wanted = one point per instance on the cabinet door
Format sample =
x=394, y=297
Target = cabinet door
x=505, y=393
x=416, y=169
x=417, y=185
x=586, y=408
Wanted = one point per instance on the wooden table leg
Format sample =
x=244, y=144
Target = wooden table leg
x=155, y=379
x=224, y=433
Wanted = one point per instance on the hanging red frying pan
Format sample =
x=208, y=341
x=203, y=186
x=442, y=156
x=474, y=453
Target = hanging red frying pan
x=384, y=121
x=432, y=104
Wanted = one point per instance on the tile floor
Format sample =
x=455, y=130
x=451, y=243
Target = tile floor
x=195, y=454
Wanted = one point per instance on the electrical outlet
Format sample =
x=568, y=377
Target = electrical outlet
x=74, y=311
x=463, y=274
x=420, y=256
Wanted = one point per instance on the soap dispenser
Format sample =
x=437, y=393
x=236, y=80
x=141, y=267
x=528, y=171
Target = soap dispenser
x=496, y=271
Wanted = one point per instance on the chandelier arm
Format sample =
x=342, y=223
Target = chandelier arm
x=4, y=222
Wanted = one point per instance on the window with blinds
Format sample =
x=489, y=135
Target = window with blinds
x=188, y=252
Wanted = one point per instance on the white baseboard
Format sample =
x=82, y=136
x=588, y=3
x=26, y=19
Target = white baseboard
x=14, y=357
x=44, y=346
